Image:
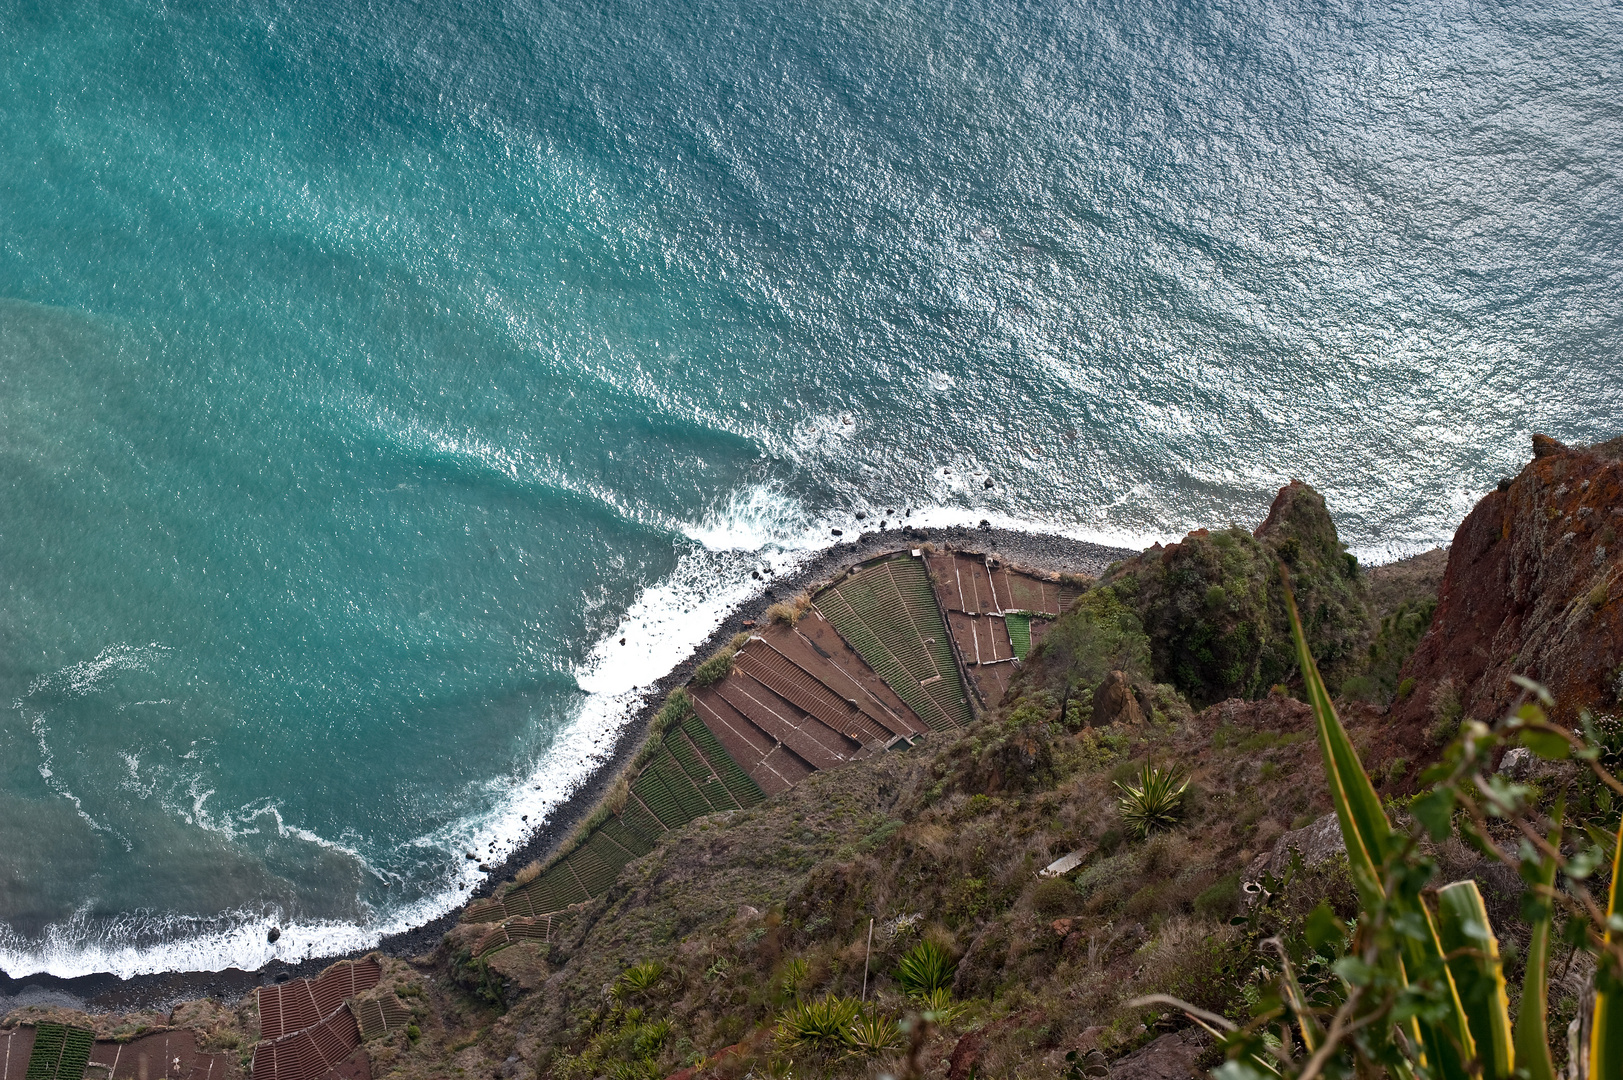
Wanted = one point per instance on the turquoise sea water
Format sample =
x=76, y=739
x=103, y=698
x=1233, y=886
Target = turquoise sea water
x=367, y=370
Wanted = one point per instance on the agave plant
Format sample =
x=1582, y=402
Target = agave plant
x=823, y=1026
x=1422, y=987
x=1154, y=803
x=873, y=1033
x=793, y=977
x=637, y=979
x=924, y=969
x=940, y=1007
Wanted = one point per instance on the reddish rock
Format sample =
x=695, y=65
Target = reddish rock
x=1115, y=703
x=965, y=1056
x=1062, y=927
x=1534, y=587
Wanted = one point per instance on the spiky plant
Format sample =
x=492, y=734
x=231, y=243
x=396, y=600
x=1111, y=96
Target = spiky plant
x=1154, y=803
x=874, y=1034
x=939, y=1006
x=823, y=1026
x=924, y=969
x=1422, y=986
x=793, y=978
x=637, y=979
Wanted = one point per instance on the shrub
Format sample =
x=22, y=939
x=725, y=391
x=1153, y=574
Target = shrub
x=678, y=707
x=1154, y=803
x=1053, y=897
x=924, y=969
x=823, y=1026
x=1099, y=634
x=715, y=669
x=1220, y=899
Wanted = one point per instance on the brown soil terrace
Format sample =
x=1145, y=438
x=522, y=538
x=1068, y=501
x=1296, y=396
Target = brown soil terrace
x=841, y=672
x=869, y=667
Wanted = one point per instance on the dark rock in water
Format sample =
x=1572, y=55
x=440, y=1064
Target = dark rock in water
x=988, y=483
x=985, y=524
x=1534, y=587
x=274, y=936
x=861, y=514
x=837, y=532
x=1115, y=703
x=470, y=856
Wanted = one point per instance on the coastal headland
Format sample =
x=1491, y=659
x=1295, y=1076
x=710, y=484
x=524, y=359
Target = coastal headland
x=895, y=782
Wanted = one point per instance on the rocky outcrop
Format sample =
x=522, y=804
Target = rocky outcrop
x=1213, y=606
x=1171, y=1057
x=1534, y=587
x=1115, y=703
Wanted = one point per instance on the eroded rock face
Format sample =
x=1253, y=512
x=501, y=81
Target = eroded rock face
x=1115, y=703
x=1171, y=1057
x=1534, y=587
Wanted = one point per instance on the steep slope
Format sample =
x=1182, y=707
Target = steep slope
x=1534, y=587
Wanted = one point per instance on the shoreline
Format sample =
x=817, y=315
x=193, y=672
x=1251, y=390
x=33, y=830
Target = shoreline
x=105, y=992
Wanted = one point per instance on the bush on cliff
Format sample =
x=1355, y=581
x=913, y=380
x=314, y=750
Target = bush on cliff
x=1213, y=608
x=1100, y=633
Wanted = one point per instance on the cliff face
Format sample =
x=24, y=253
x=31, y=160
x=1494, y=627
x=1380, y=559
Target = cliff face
x=1534, y=587
x=1213, y=607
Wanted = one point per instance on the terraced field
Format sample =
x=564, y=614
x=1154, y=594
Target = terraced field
x=887, y=610
x=59, y=1052
x=687, y=776
x=1019, y=625
x=868, y=669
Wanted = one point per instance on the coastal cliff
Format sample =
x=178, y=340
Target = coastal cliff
x=1534, y=587
x=927, y=870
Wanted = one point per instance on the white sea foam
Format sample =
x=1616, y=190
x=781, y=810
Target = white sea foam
x=759, y=530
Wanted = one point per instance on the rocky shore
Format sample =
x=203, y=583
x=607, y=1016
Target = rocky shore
x=102, y=992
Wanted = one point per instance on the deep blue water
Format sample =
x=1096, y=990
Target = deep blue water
x=368, y=369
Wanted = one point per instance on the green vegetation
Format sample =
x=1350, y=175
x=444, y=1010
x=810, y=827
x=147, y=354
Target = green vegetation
x=1395, y=638
x=1419, y=985
x=638, y=979
x=823, y=1026
x=1019, y=627
x=1098, y=634
x=715, y=669
x=1154, y=803
x=59, y=1051
x=925, y=968
x=1214, y=612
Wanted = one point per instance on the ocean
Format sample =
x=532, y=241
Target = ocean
x=369, y=370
